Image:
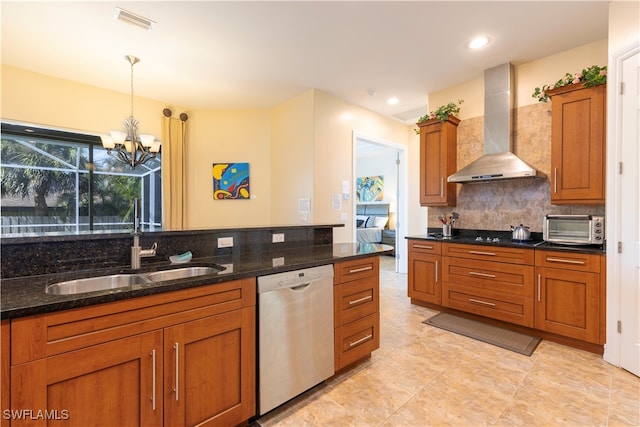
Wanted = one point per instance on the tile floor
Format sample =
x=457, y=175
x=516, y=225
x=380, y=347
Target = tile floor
x=423, y=376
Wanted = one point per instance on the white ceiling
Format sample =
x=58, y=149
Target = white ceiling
x=210, y=54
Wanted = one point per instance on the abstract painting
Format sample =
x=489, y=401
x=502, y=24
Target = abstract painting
x=370, y=189
x=230, y=181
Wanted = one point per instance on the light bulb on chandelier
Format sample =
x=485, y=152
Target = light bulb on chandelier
x=129, y=147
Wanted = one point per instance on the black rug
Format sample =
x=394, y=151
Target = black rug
x=510, y=340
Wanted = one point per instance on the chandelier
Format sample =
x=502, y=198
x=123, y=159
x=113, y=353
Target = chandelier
x=129, y=147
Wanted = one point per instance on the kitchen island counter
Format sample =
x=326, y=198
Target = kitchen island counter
x=25, y=296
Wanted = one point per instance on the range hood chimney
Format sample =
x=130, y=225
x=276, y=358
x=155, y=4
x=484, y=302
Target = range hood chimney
x=498, y=162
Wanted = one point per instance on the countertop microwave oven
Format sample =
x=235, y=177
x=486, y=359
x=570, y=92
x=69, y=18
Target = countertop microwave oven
x=573, y=229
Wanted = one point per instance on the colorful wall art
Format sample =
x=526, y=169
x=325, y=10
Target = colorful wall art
x=230, y=181
x=370, y=189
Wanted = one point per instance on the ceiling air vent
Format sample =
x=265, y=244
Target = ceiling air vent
x=132, y=18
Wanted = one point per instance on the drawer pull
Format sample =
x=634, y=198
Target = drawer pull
x=538, y=287
x=473, y=273
x=360, y=299
x=482, y=253
x=423, y=247
x=153, y=379
x=176, y=348
x=436, y=271
x=565, y=261
x=358, y=270
x=361, y=340
x=490, y=304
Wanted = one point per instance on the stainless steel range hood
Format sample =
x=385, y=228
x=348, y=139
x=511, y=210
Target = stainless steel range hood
x=498, y=161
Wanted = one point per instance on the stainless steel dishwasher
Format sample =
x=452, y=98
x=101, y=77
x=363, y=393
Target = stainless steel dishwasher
x=295, y=334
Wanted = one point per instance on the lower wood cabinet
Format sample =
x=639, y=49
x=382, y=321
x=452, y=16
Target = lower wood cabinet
x=570, y=295
x=560, y=292
x=425, y=271
x=182, y=358
x=356, y=309
x=5, y=371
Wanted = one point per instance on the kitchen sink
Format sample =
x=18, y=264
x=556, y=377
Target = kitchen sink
x=180, y=273
x=93, y=284
x=117, y=281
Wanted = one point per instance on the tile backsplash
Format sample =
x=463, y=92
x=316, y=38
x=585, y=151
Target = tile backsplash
x=497, y=205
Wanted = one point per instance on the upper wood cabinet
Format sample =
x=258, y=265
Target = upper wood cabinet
x=438, y=143
x=578, y=137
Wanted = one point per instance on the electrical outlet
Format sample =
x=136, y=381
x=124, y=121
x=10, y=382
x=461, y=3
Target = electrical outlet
x=277, y=237
x=225, y=242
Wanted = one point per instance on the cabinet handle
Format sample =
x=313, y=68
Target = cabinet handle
x=423, y=247
x=358, y=270
x=473, y=273
x=436, y=271
x=482, y=253
x=153, y=379
x=565, y=261
x=351, y=344
x=490, y=304
x=441, y=187
x=538, y=287
x=175, y=347
x=360, y=299
x=555, y=180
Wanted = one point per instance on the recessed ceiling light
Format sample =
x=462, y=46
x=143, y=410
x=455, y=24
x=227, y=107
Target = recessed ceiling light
x=479, y=42
x=392, y=101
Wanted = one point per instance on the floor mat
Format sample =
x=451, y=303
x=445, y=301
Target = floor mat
x=510, y=340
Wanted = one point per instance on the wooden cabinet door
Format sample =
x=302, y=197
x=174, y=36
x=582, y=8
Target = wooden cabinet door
x=114, y=384
x=5, y=371
x=210, y=370
x=438, y=141
x=568, y=303
x=578, y=145
x=424, y=277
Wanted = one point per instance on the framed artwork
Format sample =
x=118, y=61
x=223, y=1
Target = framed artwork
x=230, y=181
x=370, y=189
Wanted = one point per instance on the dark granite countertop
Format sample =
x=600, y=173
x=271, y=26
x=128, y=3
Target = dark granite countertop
x=487, y=238
x=24, y=296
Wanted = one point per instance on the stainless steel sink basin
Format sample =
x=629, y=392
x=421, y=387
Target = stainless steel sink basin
x=116, y=281
x=93, y=284
x=180, y=273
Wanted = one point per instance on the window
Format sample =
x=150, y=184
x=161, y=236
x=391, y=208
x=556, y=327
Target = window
x=64, y=182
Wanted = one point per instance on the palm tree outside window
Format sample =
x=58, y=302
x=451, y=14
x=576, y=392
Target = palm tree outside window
x=66, y=183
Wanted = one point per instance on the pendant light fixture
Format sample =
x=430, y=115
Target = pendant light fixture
x=129, y=147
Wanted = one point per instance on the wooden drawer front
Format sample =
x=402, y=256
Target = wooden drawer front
x=489, y=253
x=363, y=268
x=568, y=261
x=356, y=340
x=355, y=300
x=425, y=246
x=55, y=333
x=494, y=276
x=501, y=306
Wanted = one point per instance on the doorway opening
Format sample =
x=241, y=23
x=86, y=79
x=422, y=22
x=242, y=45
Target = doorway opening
x=374, y=157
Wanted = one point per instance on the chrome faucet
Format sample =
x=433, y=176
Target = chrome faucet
x=137, y=253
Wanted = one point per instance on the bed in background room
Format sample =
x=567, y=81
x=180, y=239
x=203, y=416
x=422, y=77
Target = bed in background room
x=371, y=220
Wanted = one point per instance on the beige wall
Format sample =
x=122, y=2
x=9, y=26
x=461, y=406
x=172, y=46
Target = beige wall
x=228, y=136
x=52, y=102
x=299, y=149
x=335, y=121
x=624, y=24
x=528, y=76
x=291, y=158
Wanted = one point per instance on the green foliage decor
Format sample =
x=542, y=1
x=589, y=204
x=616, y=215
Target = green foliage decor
x=443, y=112
x=591, y=76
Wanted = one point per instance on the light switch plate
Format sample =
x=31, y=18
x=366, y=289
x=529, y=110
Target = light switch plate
x=277, y=237
x=225, y=242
